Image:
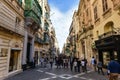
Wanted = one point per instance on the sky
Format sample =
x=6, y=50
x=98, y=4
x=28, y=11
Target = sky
x=61, y=17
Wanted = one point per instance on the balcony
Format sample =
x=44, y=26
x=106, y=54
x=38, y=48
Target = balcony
x=107, y=34
x=39, y=40
x=46, y=39
x=32, y=13
x=31, y=16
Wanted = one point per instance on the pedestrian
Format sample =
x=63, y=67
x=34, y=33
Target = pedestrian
x=94, y=63
x=64, y=62
x=85, y=60
x=83, y=65
x=71, y=63
x=78, y=65
x=75, y=65
x=113, y=70
x=51, y=62
x=100, y=66
x=57, y=62
x=42, y=61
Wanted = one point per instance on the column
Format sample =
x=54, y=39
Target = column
x=32, y=50
x=24, y=49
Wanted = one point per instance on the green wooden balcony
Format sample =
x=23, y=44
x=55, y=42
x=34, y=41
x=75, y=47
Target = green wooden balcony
x=39, y=40
x=46, y=38
x=33, y=12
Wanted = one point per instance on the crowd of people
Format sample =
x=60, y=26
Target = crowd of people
x=75, y=64
x=80, y=65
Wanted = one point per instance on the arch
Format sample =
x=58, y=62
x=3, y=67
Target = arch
x=108, y=26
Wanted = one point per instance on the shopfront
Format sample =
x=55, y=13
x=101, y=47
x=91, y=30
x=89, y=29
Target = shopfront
x=108, y=48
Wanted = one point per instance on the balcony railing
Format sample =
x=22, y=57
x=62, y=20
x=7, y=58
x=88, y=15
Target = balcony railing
x=39, y=40
x=107, y=34
x=33, y=15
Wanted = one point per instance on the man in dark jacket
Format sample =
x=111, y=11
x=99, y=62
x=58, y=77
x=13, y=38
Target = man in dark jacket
x=113, y=70
x=100, y=66
x=78, y=65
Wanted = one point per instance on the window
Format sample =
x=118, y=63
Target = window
x=105, y=5
x=3, y=52
x=87, y=12
x=95, y=13
x=17, y=22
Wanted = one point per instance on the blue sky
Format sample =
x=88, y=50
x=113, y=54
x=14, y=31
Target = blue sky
x=61, y=19
x=63, y=5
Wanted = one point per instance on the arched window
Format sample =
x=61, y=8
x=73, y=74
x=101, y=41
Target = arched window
x=108, y=27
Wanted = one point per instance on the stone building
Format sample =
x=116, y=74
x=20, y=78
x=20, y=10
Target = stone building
x=46, y=26
x=52, y=41
x=11, y=36
x=72, y=45
x=85, y=33
x=107, y=29
x=99, y=29
x=32, y=13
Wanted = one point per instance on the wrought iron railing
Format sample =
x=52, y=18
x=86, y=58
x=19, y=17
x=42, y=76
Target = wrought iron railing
x=107, y=34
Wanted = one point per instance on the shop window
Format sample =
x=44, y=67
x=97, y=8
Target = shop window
x=3, y=52
x=115, y=56
x=106, y=58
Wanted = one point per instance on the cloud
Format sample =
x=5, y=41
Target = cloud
x=61, y=22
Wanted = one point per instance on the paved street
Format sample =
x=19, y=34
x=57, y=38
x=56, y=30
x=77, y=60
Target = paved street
x=56, y=74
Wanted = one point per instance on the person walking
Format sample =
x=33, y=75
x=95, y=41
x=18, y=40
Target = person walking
x=78, y=65
x=83, y=65
x=94, y=63
x=100, y=66
x=75, y=65
x=71, y=63
x=51, y=62
x=113, y=70
x=57, y=62
x=64, y=62
x=42, y=62
x=85, y=60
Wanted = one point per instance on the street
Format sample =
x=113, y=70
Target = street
x=56, y=74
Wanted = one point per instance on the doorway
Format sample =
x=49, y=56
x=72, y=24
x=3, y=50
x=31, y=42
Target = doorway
x=14, y=60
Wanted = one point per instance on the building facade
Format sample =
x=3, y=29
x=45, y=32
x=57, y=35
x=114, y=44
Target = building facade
x=46, y=23
x=11, y=36
x=99, y=29
x=107, y=29
x=85, y=33
x=32, y=13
